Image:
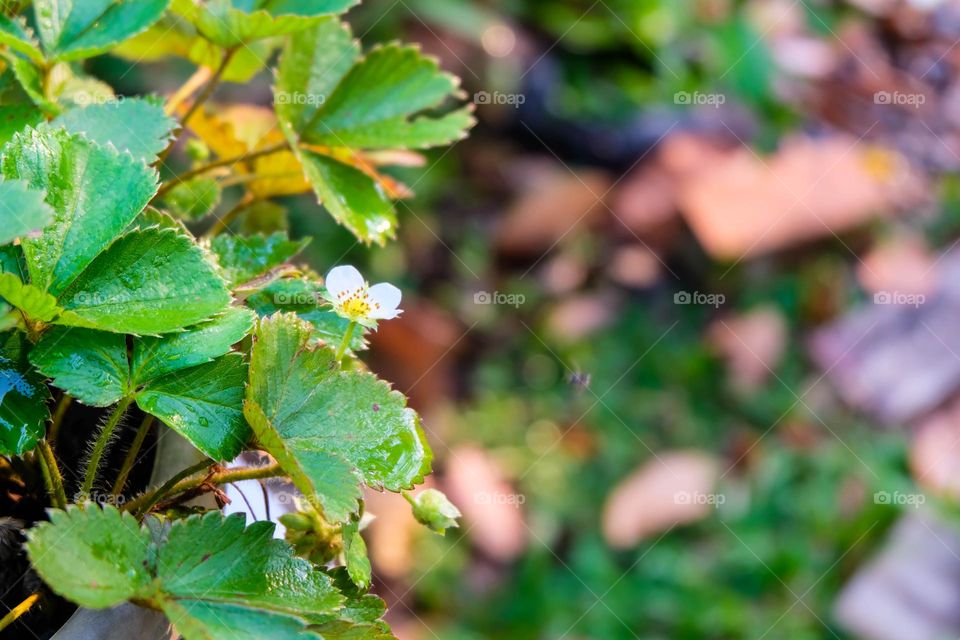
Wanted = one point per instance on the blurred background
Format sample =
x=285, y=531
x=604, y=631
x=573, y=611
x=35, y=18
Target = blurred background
x=681, y=317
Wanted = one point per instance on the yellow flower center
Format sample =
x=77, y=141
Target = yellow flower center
x=356, y=306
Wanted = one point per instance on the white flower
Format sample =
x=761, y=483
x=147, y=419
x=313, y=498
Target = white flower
x=355, y=300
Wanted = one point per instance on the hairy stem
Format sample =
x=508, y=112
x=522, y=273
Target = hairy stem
x=131, y=458
x=222, y=162
x=100, y=446
x=151, y=498
x=18, y=611
x=182, y=483
x=347, y=336
x=51, y=475
x=65, y=401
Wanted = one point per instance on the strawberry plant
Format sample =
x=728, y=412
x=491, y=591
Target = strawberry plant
x=126, y=293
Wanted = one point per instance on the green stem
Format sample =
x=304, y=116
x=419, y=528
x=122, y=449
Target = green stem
x=65, y=401
x=347, y=336
x=51, y=475
x=100, y=446
x=182, y=482
x=131, y=457
x=47, y=478
x=18, y=611
x=216, y=164
x=150, y=499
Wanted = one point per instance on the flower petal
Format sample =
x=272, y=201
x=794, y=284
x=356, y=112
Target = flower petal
x=344, y=280
x=386, y=298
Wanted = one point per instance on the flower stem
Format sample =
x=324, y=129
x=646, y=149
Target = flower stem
x=182, y=482
x=100, y=446
x=131, y=457
x=18, y=611
x=51, y=475
x=347, y=336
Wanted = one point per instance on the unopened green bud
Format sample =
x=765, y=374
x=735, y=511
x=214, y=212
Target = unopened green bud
x=432, y=509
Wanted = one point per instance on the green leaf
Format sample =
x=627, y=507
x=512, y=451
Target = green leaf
x=376, y=104
x=306, y=299
x=95, y=192
x=340, y=104
x=89, y=365
x=15, y=33
x=150, y=281
x=360, y=617
x=23, y=398
x=194, y=198
x=17, y=109
x=154, y=357
x=16, y=117
x=72, y=30
x=313, y=64
x=355, y=555
x=174, y=378
x=137, y=125
x=215, y=579
x=174, y=36
x=204, y=404
x=345, y=426
x=231, y=23
x=22, y=210
x=346, y=630
x=96, y=558
x=352, y=198
x=12, y=261
x=202, y=620
x=199, y=560
x=244, y=258
x=31, y=80
x=34, y=303
x=154, y=218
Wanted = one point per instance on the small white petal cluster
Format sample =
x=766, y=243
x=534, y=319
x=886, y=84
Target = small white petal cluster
x=355, y=300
